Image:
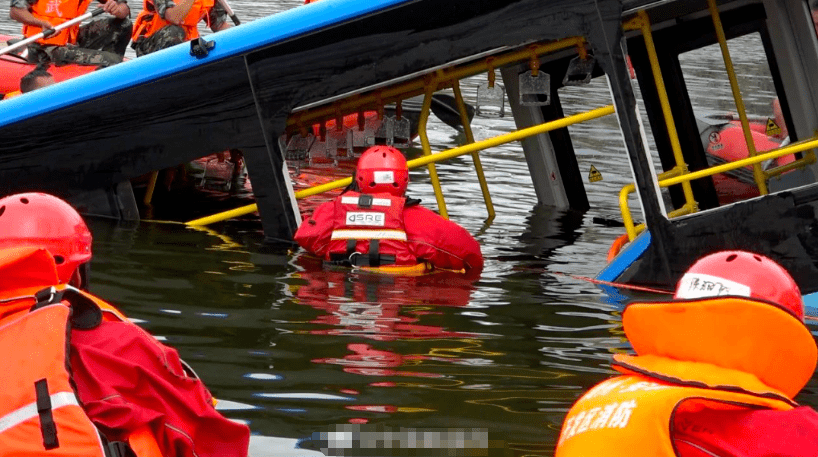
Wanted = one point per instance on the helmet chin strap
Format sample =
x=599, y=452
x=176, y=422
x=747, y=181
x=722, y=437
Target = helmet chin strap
x=353, y=186
x=80, y=277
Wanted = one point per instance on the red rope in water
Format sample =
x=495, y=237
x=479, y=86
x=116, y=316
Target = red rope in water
x=618, y=285
x=604, y=283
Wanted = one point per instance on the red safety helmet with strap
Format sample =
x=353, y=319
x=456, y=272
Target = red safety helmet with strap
x=382, y=169
x=744, y=274
x=42, y=220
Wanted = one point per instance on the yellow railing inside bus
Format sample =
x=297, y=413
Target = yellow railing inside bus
x=427, y=85
x=470, y=148
x=667, y=179
x=444, y=78
x=642, y=22
x=431, y=88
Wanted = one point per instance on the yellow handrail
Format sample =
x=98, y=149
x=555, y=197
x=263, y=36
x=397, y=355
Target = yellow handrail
x=427, y=148
x=774, y=154
x=680, y=172
x=151, y=186
x=769, y=155
x=419, y=162
x=478, y=166
x=758, y=172
x=643, y=22
x=376, y=98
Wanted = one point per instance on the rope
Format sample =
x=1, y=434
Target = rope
x=601, y=282
x=618, y=285
x=626, y=286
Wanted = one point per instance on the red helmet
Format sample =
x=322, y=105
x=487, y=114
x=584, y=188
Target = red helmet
x=42, y=220
x=741, y=273
x=382, y=169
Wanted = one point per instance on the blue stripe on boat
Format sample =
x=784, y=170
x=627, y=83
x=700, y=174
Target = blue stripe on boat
x=626, y=257
x=230, y=42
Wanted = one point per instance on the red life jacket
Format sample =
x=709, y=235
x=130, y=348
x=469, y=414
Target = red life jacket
x=56, y=12
x=368, y=230
x=149, y=22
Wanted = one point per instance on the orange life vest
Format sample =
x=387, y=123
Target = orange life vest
x=39, y=410
x=149, y=22
x=633, y=415
x=56, y=12
x=12, y=94
x=722, y=351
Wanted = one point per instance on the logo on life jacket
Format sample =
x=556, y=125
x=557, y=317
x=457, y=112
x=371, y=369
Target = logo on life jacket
x=361, y=218
x=53, y=7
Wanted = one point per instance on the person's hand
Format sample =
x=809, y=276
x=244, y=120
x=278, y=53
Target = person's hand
x=45, y=25
x=116, y=9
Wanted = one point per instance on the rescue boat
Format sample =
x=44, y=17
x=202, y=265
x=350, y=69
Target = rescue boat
x=15, y=66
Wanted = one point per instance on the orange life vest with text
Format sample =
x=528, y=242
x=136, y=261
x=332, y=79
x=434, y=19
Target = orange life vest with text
x=149, y=22
x=56, y=12
x=633, y=415
x=720, y=352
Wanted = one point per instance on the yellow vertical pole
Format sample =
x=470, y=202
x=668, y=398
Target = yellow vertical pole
x=758, y=172
x=151, y=187
x=464, y=119
x=644, y=23
x=427, y=148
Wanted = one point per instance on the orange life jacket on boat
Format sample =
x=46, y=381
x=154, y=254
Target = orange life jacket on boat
x=149, y=22
x=691, y=354
x=368, y=230
x=40, y=413
x=56, y=12
x=13, y=94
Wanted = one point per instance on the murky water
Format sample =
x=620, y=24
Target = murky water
x=294, y=349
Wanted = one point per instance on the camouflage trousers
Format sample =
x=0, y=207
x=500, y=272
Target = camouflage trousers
x=101, y=42
x=167, y=36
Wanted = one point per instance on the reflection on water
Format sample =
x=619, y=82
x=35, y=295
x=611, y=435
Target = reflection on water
x=293, y=349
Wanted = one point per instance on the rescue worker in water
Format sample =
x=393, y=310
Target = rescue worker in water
x=715, y=373
x=373, y=224
x=80, y=379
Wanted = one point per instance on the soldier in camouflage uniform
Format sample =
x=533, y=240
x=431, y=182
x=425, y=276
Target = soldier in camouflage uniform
x=101, y=42
x=157, y=28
